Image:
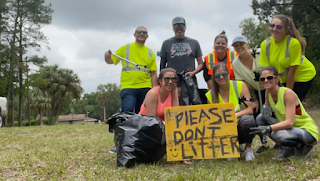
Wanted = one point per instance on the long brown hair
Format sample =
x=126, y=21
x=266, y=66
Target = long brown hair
x=291, y=30
x=215, y=88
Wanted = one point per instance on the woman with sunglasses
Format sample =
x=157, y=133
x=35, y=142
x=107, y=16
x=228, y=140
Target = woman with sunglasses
x=245, y=65
x=285, y=51
x=227, y=91
x=221, y=53
x=293, y=128
x=161, y=96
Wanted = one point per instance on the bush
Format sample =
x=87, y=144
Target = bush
x=33, y=122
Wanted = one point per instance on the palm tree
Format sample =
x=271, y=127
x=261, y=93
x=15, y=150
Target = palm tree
x=40, y=101
x=63, y=86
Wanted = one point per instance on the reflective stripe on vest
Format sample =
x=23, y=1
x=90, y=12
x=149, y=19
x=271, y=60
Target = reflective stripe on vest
x=212, y=60
x=287, y=54
x=235, y=87
x=128, y=68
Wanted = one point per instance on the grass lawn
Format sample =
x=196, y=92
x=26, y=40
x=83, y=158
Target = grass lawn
x=80, y=152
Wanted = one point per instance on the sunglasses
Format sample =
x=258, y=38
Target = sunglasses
x=141, y=32
x=179, y=24
x=262, y=79
x=217, y=76
x=167, y=79
x=279, y=27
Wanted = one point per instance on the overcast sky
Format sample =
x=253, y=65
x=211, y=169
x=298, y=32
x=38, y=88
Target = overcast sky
x=82, y=30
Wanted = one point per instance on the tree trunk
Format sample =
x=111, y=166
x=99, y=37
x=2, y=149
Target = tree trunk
x=13, y=56
x=20, y=70
x=40, y=119
x=104, y=113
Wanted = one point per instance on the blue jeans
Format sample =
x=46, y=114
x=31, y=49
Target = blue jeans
x=131, y=99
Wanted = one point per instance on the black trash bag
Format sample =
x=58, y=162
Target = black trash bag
x=140, y=139
x=189, y=90
x=118, y=118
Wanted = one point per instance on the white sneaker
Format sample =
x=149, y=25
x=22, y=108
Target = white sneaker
x=249, y=154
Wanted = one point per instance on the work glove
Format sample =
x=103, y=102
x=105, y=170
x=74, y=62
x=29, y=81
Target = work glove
x=261, y=130
x=267, y=110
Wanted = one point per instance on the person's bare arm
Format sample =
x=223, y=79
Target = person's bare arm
x=154, y=78
x=291, y=76
x=175, y=98
x=198, y=69
x=150, y=102
x=163, y=63
x=248, y=110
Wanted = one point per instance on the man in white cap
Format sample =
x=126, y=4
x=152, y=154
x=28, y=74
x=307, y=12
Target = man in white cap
x=180, y=52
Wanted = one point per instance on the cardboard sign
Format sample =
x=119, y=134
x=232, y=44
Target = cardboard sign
x=201, y=132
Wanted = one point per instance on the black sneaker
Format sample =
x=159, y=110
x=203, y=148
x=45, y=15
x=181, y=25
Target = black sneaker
x=262, y=149
x=303, y=153
x=285, y=153
x=113, y=150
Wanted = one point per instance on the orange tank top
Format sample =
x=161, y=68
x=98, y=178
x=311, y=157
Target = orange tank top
x=160, y=105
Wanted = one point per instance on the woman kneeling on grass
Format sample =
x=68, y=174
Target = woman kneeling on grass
x=226, y=91
x=293, y=129
x=162, y=96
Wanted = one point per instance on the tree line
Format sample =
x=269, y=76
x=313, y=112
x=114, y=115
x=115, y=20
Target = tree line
x=51, y=90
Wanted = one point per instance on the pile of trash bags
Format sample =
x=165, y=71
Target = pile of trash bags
x=138, y=138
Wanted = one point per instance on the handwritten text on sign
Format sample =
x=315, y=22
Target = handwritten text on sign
x=201, y=132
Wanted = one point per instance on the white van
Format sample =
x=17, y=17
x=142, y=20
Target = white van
x=3, y=109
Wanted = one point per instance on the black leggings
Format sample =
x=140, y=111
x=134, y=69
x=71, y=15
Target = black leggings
x=245, y=123
x=301, y=88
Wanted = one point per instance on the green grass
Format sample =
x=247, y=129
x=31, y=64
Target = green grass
x=80, y=152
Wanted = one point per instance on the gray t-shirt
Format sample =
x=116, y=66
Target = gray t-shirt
x=180, y=53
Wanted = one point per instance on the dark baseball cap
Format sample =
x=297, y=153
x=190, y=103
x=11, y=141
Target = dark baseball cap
x=178, y=20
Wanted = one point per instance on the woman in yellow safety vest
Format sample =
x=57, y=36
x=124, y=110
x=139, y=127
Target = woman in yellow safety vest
x=221, y=53
x=228, y=91
x=293, y=128
x=285, y=51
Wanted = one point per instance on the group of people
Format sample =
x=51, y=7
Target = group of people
x=271, y=87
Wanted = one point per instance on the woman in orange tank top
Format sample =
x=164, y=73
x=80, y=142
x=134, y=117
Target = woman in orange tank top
x=161, y=96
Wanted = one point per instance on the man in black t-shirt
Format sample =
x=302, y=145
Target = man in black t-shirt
x=180, y=52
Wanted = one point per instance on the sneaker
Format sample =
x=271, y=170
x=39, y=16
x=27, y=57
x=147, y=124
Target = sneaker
x=249, y=154
x=285, y=153
x=113, y=150
x=303, y=152
x=277, y=147
x=262, y=149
